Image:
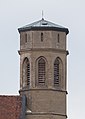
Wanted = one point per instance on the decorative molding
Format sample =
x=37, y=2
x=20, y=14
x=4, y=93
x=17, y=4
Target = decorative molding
x=45, y=113
x=44, y=89
x=43, y=49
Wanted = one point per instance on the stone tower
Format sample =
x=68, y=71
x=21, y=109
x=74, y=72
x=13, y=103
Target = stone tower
x=43, y=69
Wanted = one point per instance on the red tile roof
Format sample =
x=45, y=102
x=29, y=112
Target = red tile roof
x=10, y=107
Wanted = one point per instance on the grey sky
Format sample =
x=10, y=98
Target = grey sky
x=68, y=13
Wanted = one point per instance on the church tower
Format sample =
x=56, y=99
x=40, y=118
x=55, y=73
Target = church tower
x=43, y=69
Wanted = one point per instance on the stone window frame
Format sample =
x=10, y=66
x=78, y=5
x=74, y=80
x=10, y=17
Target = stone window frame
x=26, y=72
x=37, y=72
x=58, y=72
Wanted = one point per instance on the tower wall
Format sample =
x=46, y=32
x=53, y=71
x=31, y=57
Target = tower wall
x=50, y=57
x=44, y=99
x=45, y=116
x=50, y=40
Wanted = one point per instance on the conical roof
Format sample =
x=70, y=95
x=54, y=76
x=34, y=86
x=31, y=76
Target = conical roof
x=43, y=25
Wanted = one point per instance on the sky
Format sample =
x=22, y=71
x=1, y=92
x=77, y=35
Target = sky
x=68, y=13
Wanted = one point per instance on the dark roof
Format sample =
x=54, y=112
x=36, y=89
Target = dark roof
x=43, y=25
x=10, y=107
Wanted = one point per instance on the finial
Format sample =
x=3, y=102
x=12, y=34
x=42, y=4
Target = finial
x=42, y=15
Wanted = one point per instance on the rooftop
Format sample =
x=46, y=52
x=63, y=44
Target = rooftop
x=10, y=107
x=43, y=25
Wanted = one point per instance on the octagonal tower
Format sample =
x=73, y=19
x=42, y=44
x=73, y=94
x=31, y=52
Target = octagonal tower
x=43, y=69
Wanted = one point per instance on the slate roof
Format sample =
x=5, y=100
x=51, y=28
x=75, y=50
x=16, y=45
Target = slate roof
x=10, y=107
x=43, y=25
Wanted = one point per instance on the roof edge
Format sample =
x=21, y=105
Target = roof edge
x=44, y=28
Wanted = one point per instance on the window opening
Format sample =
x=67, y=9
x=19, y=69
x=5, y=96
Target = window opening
x=41, y=37
x=25, y=38
x=41, y=71
x=56, y=71
x=58, y=38
x=26, y=72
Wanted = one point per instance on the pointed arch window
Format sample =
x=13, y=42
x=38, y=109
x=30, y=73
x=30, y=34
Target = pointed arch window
x=26, y=72
x=57, y=71
x=41, y=71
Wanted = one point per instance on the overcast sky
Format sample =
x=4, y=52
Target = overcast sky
x=68, y=13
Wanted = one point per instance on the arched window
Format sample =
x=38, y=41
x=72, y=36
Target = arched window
x=26, y=72
x=41, y=71
x=57, y=71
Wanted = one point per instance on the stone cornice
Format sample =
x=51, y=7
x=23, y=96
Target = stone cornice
x=43, y=49
x=45, y=113
x=44, y=89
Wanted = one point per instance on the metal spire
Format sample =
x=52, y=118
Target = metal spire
x=42, y=15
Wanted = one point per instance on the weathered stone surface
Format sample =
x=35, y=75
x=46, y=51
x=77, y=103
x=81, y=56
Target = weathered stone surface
x=44, y=101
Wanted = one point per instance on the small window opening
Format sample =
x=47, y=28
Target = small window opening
x=25, y=38
x=58, y=38
x=41, y=37
x=44, y=23
x=56, y=72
